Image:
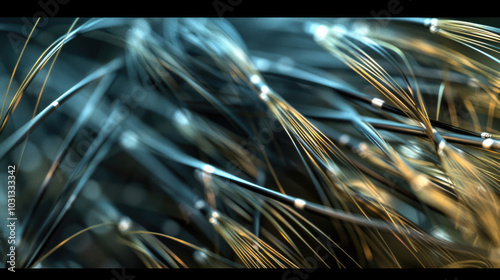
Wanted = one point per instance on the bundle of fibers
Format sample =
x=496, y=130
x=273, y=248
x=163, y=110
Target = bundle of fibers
x=250, y=143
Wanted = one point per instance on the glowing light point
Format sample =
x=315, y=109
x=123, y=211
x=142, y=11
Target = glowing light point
x=441, y=146
x=487, y=143
x=434, y=21
x=433, y=29
x=299, y=203
x=339, y=30
x=200, y=257
x=420, y=181
x=361, y=28
x=181, y=118
x=199, y=204
x=430, y=21
x=263, y=96
x=124, y=224
x=344, y=139
x=255, y=79
x=129, y=140
x=55, y=104
x=215, y=214
x=362, y=149
x=208, y=168
x=320, y=32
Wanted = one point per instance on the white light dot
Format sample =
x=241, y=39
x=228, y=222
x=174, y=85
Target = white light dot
x=124, y=224
x=485, y=135
x=299, y=203
x=92, y=190
x=55, y=104
x=344, y=139
x=264, y=89
x=255, y=79
x=208, y=168
x=487, y=143
x=285, y=64
x=441, y=234
x=129, y=140
x=433, y=25
x=320, y=32
x=441, y=147
x=213, y=221
x=32, y=157
x=240, y=54
x=376, y=102
x=200, y=257
x=181, y=118
x=170, y=227
x=94, y=216
x=262, y=64
x=215, y=214
x=420, y=181
x=338, y=30
x=430, y=21
x=264, y=96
